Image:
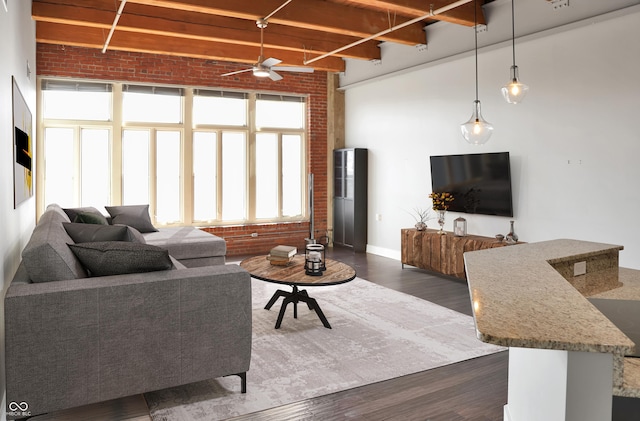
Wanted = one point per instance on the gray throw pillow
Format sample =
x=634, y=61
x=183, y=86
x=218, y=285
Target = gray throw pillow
x=72, y=213
x=85, y=233
x=91, y=218
x=106, y=258
x=136, y=216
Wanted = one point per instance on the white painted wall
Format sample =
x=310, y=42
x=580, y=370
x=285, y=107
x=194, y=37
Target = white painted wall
x=582, y=108
x=17, y=46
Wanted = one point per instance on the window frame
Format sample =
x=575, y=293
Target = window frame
x=186, y=128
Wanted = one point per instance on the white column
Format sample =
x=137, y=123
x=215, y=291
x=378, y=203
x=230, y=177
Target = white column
x=554, y=385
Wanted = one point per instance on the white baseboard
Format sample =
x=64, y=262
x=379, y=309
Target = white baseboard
x=507, y=415
x=384, y=252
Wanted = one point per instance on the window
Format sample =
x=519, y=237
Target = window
x=219, y=108
x=205, y=176
x=136, y=167
x=64, y=100
x=196, y=156
x=151, y=104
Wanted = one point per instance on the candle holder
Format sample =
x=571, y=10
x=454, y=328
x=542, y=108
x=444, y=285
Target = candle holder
x=314, y=261
x=460, y=227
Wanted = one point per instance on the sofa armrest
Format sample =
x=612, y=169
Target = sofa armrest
x=74, y=342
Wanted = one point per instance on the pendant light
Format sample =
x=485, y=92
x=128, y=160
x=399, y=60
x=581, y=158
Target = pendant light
x=476, y=131
x=514, y=91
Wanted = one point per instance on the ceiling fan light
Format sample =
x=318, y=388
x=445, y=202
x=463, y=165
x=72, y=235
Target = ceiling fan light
x=477, y=130
x=514, y=91
x=260, y=71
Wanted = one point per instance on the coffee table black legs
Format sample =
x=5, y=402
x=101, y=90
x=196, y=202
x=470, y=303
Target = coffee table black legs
x=295, y=297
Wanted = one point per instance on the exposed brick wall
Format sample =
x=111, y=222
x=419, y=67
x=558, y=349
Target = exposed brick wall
x=78, y=62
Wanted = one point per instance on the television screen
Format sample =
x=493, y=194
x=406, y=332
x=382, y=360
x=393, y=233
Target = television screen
x=480, y=183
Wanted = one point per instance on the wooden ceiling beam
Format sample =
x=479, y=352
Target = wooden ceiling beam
x=93, y=37
x=315, y=15
x=190, y=25
x=462, y=15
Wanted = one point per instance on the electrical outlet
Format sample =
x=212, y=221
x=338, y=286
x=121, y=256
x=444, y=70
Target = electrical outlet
x=378, y=217
x=559, y=4
x=579, y=268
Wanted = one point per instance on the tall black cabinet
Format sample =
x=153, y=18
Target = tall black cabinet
x=350, y=198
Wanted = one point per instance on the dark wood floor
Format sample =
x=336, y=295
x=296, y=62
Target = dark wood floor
x=471, y=390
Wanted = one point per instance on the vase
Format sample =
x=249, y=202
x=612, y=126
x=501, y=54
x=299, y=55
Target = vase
x=421, y=226
x=441, y=213
x=512, y=236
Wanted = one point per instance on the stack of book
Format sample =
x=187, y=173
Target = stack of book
x=282, y=255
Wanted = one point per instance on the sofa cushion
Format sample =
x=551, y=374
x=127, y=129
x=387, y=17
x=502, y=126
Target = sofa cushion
x=187, y=242
x=136, y=216
x=104, y=258
x=85, y=233
x=47, y=256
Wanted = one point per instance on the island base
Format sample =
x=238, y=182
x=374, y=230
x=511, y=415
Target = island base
x=556, y=385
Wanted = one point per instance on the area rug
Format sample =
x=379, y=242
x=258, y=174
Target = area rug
x=377, y=334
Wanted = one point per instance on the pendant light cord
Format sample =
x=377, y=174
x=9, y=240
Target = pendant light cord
x=475, y=29
x=513, y=32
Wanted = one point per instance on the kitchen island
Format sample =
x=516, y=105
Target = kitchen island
x=566, y=358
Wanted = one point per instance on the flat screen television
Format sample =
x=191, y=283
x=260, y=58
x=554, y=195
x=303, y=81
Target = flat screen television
x=480, y=183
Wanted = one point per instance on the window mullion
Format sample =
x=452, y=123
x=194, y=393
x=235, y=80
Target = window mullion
x=280, y=176
x=153, y=173
x=187, y=199
x=251, y=160
x=116, y=146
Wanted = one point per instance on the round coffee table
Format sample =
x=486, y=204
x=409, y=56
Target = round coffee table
x=294, y=275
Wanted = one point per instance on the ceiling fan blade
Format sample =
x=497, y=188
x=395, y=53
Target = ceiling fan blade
x=299, y=69
x=274, y=76
x=271, y=62
x=235, y=73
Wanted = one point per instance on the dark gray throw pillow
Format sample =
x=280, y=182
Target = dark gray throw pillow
x=91, y=218
x=106, y=258
x=72, y=213
x=136, y=216
x=85, y=233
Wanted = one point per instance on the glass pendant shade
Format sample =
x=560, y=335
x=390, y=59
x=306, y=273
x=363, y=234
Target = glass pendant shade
x=514, y=91
x=476, y=131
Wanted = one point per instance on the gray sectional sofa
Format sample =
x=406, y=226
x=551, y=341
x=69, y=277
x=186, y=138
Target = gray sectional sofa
x=72, y=339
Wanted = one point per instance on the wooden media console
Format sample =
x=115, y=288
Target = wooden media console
x=441, y=253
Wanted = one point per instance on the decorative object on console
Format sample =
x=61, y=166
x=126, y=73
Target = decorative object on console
x=441, y=214
x=477, y=130
x=440, y=205
x=512, y=236
x=441, y=200
x=514, y=91
x=314, y=261
x=460, y=227
x=421, y=216
x=499, y=237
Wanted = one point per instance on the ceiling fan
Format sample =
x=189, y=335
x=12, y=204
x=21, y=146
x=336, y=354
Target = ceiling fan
x=264, y=68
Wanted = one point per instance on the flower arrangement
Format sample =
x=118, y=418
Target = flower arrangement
x=441, y=200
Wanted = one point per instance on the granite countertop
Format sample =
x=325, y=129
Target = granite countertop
x=520, y=300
